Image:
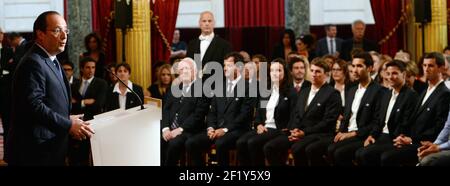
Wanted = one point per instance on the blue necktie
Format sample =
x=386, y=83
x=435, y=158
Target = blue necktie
x=56, y=63
x=85, y=87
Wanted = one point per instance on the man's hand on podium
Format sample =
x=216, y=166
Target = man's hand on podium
x=80, y=130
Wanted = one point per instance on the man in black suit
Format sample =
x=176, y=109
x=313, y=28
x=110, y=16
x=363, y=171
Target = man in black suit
x=183, y=113
x=298, y=71
x=429, y=116
x=314, y=118
x=397, y=107
x=20, y=46
x=68, y=68
x=88, y=94
x=6, y=58
x=330, y=45
x=229, y=116
x=88, y=98
x=12, y=57
x=360, y=115
x=357, y=42
x=208, y=47
x=41, y=121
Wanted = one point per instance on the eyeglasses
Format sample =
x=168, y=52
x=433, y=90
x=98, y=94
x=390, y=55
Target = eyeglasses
x=57, y=31
x=67, y=69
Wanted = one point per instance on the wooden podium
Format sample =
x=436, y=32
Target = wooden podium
x=127, y=137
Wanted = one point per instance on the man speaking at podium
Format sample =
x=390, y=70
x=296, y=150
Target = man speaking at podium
x=40, y=122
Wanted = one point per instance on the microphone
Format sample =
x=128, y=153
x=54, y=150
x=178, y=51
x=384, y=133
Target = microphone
x=139, y=98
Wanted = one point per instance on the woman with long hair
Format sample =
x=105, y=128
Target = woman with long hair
x=272, y=115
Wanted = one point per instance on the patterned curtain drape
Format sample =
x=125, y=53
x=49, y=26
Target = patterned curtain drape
x=165, y=13
x=103, y=24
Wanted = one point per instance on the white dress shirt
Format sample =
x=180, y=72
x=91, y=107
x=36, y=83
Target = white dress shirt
x=312, y=94
x=353, y=126
x=270, y=109
x=205, y=41
x=299, y=84
x=342, y=93
x=430, y=91
x=123, y=97
x=71, y=80
x=234, y=82
x=329, y=43
x=83, y=83
x=389, y=110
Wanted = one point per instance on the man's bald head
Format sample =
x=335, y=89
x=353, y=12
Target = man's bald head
x=206, y=22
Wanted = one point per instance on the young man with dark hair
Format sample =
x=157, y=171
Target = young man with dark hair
x=428, y=119
x=360, y=115
x=397, y=107
x=314, y=119
x=88, y=98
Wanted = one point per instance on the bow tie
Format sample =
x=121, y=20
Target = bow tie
x=203, y=38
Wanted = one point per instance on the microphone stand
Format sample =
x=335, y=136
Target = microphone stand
x=139, y=98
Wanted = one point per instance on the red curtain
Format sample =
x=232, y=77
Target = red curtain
x=167, y=11
x=254, y=23
x=448, y=22
x=387, y=13
x=254, y=13
x=103, y=24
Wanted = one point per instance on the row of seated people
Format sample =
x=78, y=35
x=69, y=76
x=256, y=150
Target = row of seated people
x=377, y=126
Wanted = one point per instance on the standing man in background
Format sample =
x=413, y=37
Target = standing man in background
x=208, y=45
x=331, y=44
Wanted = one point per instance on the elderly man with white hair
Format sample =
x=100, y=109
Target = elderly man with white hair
x=183, y=114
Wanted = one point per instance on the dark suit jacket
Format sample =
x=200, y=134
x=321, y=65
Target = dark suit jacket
x=6, y=54
x=321, y=114
x=400, y=115
x=40, y=114
x=154, y=91
x=368, y=112
x=215, y=52
x=283, y=110
x=20, y=52
x=112, y=100
x=96, y=90
x=347, y=47
x=429, y=119
x=322, y=46
x=191, y=110
x=233, y=113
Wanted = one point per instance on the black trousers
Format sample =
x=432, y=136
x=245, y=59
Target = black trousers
x=173, y=150
x=250, y=147
x=342, y=153
x=404, y=156
x=79, y=152
x=310, y=150
x=305, y=150
x=371, y=155
x=198, y=144
x=48, y=153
